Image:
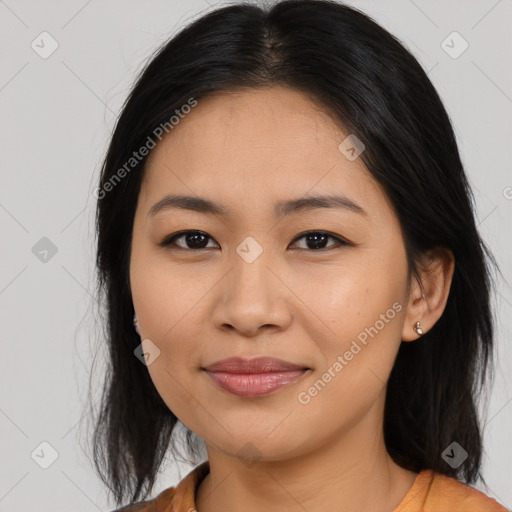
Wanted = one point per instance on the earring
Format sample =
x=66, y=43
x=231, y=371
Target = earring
x=135, y=323
x=417, y=328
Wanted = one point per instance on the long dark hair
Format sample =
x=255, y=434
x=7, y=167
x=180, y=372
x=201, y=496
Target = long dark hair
x=376, y=89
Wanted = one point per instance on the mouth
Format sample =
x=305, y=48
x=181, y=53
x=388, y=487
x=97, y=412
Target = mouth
x=255, y=384
x=254, y=377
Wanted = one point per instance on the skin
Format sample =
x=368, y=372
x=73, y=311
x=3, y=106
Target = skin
x=247, y=151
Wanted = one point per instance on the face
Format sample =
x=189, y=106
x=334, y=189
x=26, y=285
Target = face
x=324, y=287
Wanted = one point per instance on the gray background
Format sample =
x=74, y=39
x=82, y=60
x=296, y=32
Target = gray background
x=56, y=116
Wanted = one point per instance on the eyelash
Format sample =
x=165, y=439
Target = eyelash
x=169, y=241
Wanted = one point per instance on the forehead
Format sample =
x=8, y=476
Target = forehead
x=257, y=146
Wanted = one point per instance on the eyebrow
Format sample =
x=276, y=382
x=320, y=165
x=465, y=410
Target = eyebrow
x=281, y=208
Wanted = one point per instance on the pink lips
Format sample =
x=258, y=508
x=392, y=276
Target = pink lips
x=254, y=377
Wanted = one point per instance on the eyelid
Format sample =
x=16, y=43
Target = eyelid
x=340, y=241
x=170, y=239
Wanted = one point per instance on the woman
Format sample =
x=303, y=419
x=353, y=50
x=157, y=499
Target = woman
x=284, y=217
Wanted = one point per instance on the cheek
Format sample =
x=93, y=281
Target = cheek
x=166, y=314
x=170, y=319
x=355, y=366
x=358, y=317
x=349, y=300
x=166, y=296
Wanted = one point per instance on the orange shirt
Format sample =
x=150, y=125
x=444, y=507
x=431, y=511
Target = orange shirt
x=431, y=492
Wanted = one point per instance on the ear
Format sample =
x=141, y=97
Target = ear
x=136, y=324
x=428, y=297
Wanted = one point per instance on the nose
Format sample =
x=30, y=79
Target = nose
x=253, y=297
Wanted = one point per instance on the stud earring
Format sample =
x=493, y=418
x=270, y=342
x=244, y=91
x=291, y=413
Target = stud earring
x=417, y=328
x=135, y=323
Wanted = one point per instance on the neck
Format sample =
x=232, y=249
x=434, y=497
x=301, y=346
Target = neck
x=352, y=473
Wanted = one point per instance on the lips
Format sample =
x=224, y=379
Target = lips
x=254, y=377
x=257, y=365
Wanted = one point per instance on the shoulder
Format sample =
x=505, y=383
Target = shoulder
x=155, y=505
x=180, y=497
x=460, y=496
x=140, y=506
x=435, y=492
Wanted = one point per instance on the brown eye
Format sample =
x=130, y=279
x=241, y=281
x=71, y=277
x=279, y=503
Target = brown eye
x=192, y=240
x=317, y=240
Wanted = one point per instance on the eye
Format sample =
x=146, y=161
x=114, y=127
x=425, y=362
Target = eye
x=315, y=240
x=196, y=240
